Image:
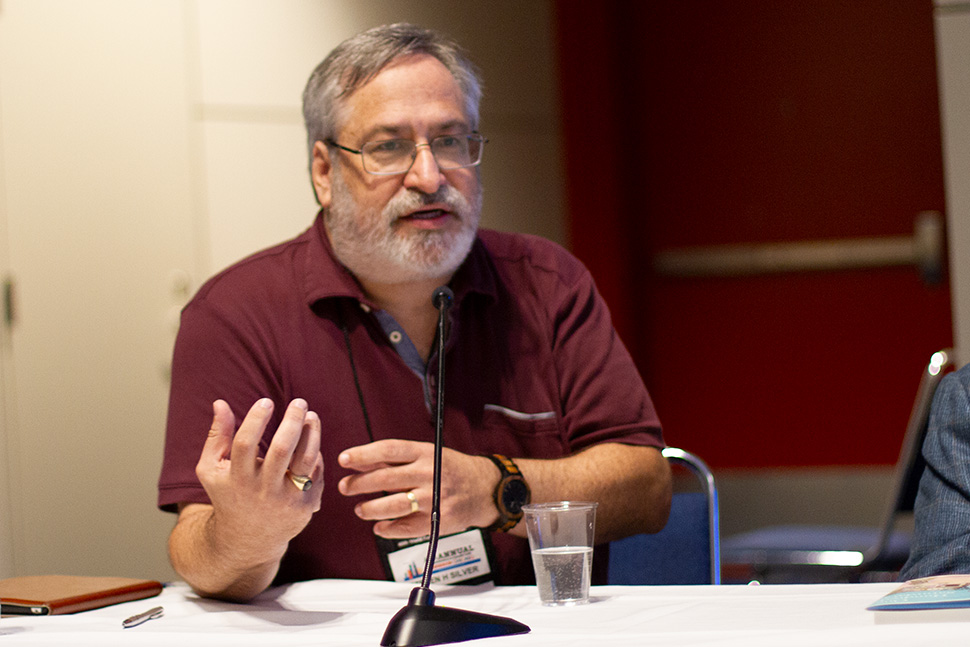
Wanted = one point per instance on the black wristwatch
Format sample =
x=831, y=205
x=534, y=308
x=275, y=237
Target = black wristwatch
x=511, y=494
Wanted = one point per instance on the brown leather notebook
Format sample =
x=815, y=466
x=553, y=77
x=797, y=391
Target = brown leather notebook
x=41, y=595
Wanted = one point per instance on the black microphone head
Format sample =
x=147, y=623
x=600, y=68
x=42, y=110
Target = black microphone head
x=442, y=297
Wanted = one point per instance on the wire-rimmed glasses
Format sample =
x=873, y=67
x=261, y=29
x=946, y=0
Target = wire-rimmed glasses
x=395, y=156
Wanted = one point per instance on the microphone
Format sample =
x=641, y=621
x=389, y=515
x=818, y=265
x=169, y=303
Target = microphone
x=442, y=298
x=421, y=622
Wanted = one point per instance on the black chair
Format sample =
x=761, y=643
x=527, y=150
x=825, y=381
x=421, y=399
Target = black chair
x=687, y=550
x=807, y=553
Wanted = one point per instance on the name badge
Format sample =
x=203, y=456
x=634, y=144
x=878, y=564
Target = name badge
x=463, y=558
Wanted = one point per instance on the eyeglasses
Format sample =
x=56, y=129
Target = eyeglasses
x=396, y=156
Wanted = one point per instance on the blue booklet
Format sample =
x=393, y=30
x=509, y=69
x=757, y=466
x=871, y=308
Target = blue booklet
x=937, y=592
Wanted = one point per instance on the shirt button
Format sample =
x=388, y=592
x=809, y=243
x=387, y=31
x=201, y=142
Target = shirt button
x=395, y=337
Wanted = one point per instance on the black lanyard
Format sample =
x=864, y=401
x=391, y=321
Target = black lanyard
x=353, y=368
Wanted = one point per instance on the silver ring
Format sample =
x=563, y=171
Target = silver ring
x=412, y=497
x=302, y=483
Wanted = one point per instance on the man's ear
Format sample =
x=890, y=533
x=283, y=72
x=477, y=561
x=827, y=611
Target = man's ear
x=320, y=169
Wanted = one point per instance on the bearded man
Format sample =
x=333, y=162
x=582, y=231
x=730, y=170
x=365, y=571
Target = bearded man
x=332, y=336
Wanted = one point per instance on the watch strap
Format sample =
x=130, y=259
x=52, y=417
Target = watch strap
x=508, y=470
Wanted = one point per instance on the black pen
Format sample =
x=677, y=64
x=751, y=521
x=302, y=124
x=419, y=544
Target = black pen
x=139, y=618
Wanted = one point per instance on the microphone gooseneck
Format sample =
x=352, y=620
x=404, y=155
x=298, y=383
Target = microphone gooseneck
x=442, y=298
x=421, y=622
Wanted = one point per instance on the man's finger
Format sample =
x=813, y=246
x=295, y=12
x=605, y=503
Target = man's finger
x=389, y=479
x=285, y=440
x=393, y=506
x=308, y=448
x=219, y=441
x=415, y=525
x=381, y=453
x=245, y=445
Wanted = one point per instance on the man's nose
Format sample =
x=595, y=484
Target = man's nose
x=424, y=174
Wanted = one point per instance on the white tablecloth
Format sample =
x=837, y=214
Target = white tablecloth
x=348, y=612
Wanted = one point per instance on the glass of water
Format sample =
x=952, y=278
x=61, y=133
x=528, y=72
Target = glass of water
x=561, y=539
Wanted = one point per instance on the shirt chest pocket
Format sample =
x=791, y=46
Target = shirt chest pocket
x=522, y=434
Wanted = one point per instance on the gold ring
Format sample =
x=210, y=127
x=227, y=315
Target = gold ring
x=302, y=483
x=414, y=501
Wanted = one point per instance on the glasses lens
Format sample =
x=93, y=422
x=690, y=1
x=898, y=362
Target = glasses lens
x=388, y=156
x=457, y=151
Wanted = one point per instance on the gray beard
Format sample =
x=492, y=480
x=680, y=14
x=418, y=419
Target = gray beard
x=367, y=243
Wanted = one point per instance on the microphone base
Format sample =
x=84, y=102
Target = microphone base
x=422, y=623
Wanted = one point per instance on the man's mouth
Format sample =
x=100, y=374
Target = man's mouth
x=431, y=219
x=429, y=214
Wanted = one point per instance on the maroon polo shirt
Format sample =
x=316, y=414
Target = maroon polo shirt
x=534, y=369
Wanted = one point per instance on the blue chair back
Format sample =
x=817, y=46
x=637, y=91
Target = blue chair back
x=687, y=550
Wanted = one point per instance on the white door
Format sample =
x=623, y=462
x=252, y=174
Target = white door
x=97, y=204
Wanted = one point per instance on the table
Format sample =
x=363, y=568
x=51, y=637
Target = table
x=350, y=612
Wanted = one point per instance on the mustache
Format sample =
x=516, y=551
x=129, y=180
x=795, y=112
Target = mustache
x=405, y=203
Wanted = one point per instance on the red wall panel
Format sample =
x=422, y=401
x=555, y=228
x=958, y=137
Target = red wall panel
x=703, y=123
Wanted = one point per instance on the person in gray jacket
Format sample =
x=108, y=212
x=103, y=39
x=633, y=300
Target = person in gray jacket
x=941, y=542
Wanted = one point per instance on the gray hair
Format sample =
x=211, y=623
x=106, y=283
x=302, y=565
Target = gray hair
x=360, y=58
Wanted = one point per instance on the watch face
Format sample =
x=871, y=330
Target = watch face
x=515, y=494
